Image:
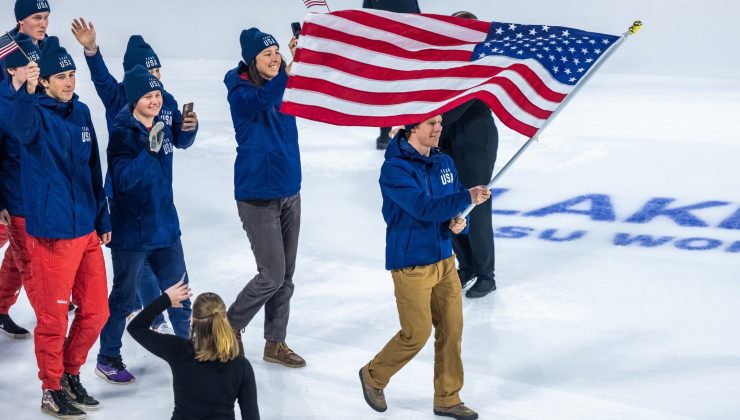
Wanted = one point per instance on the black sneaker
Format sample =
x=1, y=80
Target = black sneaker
x=77, y=394
x=482, y=287
x=466, y=278
x=55, y=403
x=8, y=327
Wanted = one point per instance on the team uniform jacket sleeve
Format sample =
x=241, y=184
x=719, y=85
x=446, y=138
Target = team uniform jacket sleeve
x=248, y=395
x=129, y=166
x=102, y=219
x=26, y=120
x=397, y=182
x=248, y=100
x=105, y=84
x=161, y=345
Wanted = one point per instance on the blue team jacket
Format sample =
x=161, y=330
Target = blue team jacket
x=142, y=207
x=420, y=196
x=62, y=183
x=11, y=192
x=268, y=162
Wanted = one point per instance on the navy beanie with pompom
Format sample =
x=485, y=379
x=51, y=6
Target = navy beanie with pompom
x=253, y=41
x=138, y=82
x=26, y=45
x=54, y=58
x=26, y=8
x=141, y=53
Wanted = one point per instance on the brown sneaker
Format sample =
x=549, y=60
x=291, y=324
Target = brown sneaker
x=279, y=352
x=459, y=412
x=373, y=396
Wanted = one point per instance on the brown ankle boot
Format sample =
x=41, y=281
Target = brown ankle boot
x=458, y=411
x=279, y=352
x=374, y=397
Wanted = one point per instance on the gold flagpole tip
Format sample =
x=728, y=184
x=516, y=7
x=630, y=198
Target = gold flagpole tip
x=635, y=27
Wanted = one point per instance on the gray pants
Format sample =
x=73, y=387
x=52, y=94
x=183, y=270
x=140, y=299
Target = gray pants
x=272, y=228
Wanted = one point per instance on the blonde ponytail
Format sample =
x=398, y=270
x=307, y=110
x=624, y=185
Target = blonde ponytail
x=213, y=338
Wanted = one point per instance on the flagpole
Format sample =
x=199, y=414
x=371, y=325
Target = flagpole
x=636, y=26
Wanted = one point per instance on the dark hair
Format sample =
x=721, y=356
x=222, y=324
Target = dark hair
x=465, y=15
x=254, y=75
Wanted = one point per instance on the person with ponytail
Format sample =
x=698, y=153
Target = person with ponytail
x=208, y=372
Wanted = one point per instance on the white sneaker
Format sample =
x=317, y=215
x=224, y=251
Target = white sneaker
x=164, y=328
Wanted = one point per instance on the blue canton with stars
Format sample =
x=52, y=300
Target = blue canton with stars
x=566, y=53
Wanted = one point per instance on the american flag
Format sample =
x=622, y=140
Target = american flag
x=7, y=45
x=311, y=3
x=381, y=69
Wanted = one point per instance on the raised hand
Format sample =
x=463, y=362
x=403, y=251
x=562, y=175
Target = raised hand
x=479, y=194
x=32, y=77
x=179, y=292
x=190, y=121
x=85, y=34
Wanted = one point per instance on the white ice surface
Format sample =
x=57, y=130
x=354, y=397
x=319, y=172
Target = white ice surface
x=579, y=329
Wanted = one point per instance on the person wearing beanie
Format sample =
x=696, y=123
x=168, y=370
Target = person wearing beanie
x=145, y=224
x=397, y=6
x=113, y=96
x=32, y=19
x=16, y=266
x=470, y=138
x=67, y=220
x=267, y=183
x=422, y=198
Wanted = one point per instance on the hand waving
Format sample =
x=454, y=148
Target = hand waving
x=85, y=34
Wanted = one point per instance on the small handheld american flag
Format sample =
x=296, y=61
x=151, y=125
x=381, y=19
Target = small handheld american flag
x=7, y=45
x=311, y=3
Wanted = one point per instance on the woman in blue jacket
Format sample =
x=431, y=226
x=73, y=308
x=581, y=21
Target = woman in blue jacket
x=113, y=95
x=67, y=220
x=143, y=215
x=267, y=182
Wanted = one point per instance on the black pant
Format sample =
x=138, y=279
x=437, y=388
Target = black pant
x=474, y=146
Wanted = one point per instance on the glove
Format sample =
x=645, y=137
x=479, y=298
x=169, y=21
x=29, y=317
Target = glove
x=156, y=137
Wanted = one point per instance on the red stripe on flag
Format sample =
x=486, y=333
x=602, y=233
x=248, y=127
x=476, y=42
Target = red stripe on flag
x=386, y=48
x=317, y=113
x=432, y=95
x=395, y=27
x=372, y=72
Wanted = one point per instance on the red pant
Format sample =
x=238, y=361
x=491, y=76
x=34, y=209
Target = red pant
x=61, y=267
x=16, y=267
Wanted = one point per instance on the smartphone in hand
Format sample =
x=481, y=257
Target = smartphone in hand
x=296, y=27
x=187, y=109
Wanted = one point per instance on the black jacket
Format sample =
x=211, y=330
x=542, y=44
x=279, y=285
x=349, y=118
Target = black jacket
x=398, y=6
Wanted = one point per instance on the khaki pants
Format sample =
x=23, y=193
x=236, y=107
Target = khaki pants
x=426, y=296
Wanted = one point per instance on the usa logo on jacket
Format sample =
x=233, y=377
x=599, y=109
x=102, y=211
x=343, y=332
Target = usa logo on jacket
x=446, y=176
x=167, y=146
x=86, y=136
x=166, y=116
